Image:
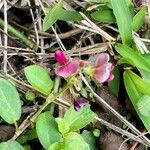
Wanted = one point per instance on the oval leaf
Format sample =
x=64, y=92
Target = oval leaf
x=144, y=105
x=47, y=129
x=10, y=104
x=39, y=78
x=10, y=145
x=53, y=15
x=78, y=120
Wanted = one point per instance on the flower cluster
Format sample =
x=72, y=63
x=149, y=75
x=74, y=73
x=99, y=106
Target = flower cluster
x=101, y=70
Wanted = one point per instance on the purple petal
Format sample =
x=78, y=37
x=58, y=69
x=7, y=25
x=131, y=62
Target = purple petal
x=76, y=106
x=61, y=57
x=68, y=70
x=79, y=103
x=103, y=72
x=102, y=59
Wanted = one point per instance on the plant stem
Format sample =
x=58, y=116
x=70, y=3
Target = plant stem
x=26, y=123
x=18, y=34
x=145, y=140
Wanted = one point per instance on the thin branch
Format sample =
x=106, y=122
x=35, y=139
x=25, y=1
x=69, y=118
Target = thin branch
x=34, y=24
x=119, y=130
x=5, y=38
x=89, y=25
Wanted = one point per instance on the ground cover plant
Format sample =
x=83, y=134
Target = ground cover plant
x=74, y=75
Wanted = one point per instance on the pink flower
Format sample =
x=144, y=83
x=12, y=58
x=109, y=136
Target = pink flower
x=103, y=69
x=68, y=67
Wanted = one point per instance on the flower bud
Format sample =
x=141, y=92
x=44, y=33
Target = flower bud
x=79, y=103
x=61, y=57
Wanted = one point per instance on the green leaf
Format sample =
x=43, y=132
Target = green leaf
x=39, y=78
x=144, y=105
x=68, y=15
x=27, y=147
x=115, y=83
x=141, y=84
x=90, y=139
x=62, y=125
x=104, y=14
x=135, y=95
x=132, y=90
x=138, y=19
x=133, y=56
x=147, y=57
x=145, y=74
x=78, y=120
x=10, y=103
x=72, y=141
x=124, y=60
x=47, y=129
x=124, y=20
x=10, y=145
x=53, y=15
x=56, y=146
